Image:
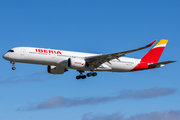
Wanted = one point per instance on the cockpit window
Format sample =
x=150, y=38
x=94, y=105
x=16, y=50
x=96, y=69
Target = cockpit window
x=10, y=50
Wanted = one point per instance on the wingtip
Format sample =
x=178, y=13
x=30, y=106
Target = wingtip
x=151, y=43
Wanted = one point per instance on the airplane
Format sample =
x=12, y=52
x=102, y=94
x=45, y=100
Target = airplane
x=59, y=61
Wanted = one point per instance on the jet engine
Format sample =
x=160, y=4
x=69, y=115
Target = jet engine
x=56, y=70
x=76, y=63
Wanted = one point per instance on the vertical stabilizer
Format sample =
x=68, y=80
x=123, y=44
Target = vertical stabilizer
x=155, y=53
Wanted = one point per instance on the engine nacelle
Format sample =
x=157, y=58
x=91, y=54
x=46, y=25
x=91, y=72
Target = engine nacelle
x=76, y=63
x=55, y=70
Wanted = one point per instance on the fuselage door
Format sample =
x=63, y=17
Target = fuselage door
x=53, y=55
x=23, y=51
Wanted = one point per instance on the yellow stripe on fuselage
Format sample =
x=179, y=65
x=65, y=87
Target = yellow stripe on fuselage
x=162, y=41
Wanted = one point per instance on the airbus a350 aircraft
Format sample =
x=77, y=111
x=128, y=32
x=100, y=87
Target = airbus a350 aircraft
x=58, y=61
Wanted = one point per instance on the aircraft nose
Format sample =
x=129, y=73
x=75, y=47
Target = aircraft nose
x=5, y=56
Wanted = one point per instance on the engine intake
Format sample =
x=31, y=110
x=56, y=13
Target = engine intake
x=76, y=63
x=56, y=70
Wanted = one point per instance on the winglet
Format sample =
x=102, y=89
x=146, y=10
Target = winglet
x=151, y=43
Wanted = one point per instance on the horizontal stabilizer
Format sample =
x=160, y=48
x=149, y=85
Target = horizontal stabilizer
x=161, y=64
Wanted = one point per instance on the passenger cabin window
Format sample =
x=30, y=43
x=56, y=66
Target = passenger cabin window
x=11, y=51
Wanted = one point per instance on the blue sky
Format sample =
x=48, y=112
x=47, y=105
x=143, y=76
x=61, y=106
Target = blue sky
x=107, y=26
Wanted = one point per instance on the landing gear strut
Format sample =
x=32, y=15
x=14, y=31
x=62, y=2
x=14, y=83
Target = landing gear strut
x=13, y=68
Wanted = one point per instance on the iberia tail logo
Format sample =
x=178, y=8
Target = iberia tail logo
x=152, y=56
x=155, y=53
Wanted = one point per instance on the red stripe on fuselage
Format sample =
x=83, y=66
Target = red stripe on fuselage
x=142, y=66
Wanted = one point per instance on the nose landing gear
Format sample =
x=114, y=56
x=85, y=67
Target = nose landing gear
x=13, y=68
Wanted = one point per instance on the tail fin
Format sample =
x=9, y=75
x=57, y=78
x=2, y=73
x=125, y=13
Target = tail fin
x=155, y=53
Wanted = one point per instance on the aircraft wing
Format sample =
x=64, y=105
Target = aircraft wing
x=96, y=61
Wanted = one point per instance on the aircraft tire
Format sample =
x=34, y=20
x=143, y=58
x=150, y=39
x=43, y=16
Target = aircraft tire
x=78, y=77
x=89, y=74
x=94, y=74
x=83, y=77
x=13, y=68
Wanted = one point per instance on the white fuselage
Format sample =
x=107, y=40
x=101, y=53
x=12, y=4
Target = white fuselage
x=60, y=58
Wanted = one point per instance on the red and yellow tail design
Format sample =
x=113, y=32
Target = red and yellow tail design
x=150, y=60
x=155, y=53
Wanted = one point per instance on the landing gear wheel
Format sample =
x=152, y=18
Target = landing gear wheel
x=83, y=77
x=89, y=74
x=94, y=74
x=13, y=68
x=78, y=77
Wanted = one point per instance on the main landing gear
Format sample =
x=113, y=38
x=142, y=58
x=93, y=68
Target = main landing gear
x=81, y=76
x=13, y=68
